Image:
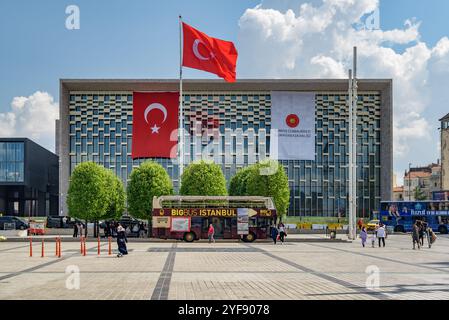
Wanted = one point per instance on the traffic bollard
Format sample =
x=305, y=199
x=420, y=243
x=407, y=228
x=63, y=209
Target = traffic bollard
x=43, y=250
x=110, y=247
x=98, y=247
x=56, y=246
x=81, y=244
x=31, y=247
x=59, y=247
x=84, y=246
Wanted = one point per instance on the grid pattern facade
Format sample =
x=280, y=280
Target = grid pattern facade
x=11, y=161
x=234, y=128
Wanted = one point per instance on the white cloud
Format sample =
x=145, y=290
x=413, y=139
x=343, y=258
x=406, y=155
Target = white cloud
x=315, y=38
x=31, y=117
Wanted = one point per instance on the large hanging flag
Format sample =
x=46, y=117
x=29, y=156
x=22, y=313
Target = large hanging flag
x=292, y=126
x=209, y=54
x=155, y=124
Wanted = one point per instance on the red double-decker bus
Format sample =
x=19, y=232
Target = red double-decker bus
x=188, y=217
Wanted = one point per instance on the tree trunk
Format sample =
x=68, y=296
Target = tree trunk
x=85, y=230
x=95, y=229
x=150, y=228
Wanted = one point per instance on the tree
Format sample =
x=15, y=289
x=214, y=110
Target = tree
x=203, y=179
x=419, y=194
x=147, y=181
x=88, y=197
x=268, y=179
x=239, y=182
x=117, y=196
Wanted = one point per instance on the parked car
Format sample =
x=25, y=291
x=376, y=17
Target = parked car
x=129, y=223
x=61, y=222
x=13, y=223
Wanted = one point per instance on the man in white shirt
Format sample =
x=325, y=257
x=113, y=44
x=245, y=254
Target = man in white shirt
x=381, y=233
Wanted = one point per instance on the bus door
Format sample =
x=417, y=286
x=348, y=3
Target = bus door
x=218, y=224
x=227, y=229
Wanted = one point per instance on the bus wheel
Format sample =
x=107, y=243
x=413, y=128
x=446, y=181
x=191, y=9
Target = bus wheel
x=250, y=237
x=442, y=229
x=399, y=229
x=189, y=237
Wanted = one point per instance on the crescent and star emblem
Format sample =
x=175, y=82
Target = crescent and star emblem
x=155, y=106
x=197, y=53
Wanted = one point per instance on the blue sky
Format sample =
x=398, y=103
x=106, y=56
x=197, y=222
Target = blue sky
x=139, y=39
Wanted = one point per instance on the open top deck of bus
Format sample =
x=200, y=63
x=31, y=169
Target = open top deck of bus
x=165, y=202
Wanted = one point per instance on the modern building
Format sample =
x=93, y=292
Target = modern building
x=445, y=152
x=235, y=119
x=28, y=179
x=427, y=179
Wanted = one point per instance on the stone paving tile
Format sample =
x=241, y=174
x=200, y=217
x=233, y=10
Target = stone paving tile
x=231, y=271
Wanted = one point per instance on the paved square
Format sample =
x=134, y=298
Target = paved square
x=166, y=270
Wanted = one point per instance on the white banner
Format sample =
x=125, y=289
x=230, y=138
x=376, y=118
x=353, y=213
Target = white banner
x=292, y=126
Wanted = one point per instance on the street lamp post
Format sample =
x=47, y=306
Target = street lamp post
x=409, y=183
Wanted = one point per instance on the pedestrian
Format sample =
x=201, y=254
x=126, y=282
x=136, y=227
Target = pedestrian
x=141, y=230
x=415, y=235
x=360, y=223
x=422, y=231
x=373, y=238
x=363, y=236
x=210, y=233
x=381, y=233
x=75, y=230
x=80, y=229
x=282, y=232
x=274, y=233
x=121, y=241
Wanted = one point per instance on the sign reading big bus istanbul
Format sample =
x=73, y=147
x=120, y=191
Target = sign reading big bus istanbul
x=216, y=212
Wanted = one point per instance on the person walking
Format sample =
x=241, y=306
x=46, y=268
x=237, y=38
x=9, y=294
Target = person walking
x=282, y=232
x=422, y=231
x=274, y=233
x=415, y=236
x=373, y=238
x=210, y=233
x=363, y=236
x=75, y=230
x=121, y=241
x=381, y=233
x=80, y=229
x=360, y=223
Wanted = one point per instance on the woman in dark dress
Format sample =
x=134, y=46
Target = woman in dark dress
x=121, y=241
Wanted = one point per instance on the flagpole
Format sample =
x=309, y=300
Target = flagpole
x=181, y=111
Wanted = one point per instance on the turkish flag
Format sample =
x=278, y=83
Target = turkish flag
x=155, y=124
x=209, y=54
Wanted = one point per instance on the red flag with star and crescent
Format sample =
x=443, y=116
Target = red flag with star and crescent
x=209, y=54
x=155, y=124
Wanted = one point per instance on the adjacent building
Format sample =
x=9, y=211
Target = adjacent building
x=28, y=179
x=445, y=152
x=96, y=118
x=427, y=179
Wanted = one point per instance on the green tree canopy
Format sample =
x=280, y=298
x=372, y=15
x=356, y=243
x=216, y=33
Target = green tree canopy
x=117, y=196
x=239, y=182
x=147, y=181
x=419, y=194
x=88, y=197
x=203, y=179
x=268, y=179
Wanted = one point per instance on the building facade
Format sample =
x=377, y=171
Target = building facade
x=427, y=179
x=28, y=179
x=445, y=152
x=233, y=122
